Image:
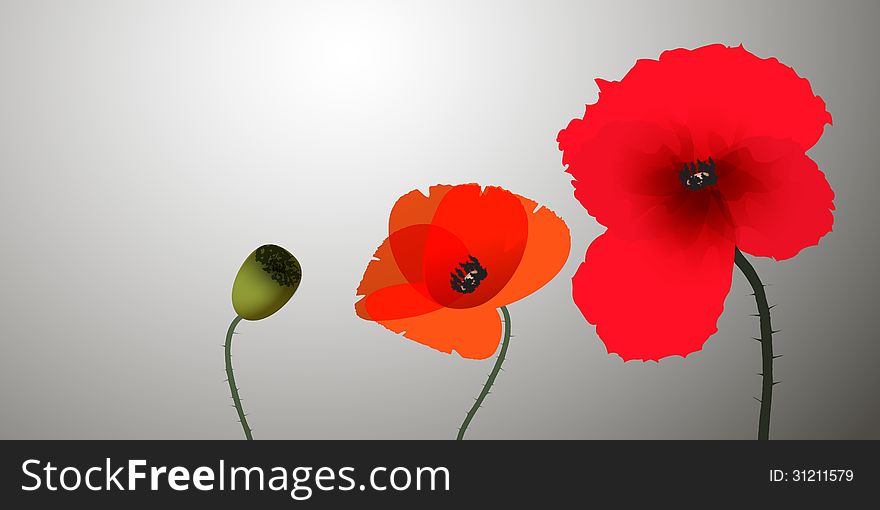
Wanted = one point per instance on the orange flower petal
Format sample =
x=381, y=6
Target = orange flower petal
x=415, y=208
x=381, y=272
x=429, y=236
x=472, y=332
x=547, y=250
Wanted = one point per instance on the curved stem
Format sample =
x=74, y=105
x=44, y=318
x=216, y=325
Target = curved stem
x=492, y=375
x=766, y=343
x=230, y=376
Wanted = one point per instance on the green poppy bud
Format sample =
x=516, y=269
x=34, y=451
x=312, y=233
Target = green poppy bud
x=266, y=281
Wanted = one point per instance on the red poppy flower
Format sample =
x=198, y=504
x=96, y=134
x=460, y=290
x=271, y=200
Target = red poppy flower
x=684, y=160
x=454, y=257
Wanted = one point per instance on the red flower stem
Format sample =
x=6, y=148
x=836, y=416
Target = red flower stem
x=766, y=343
x=492, y=375
x=230, y=376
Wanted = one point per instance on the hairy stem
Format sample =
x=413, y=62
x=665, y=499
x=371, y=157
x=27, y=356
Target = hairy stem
x=230, y=376
x=505, y=342
x=766, y=340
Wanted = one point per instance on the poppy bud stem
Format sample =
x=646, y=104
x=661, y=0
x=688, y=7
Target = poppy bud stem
x=505, y=342
x=766, y=343
x=231, y=379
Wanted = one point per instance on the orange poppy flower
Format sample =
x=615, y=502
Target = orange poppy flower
x=454, y=257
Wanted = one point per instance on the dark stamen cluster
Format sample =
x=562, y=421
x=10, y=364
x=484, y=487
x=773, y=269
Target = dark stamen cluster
x=698, y=175
x=467, y=276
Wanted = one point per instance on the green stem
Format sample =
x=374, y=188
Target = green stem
x=230, y=376
x=492, y=375
x=766, y=340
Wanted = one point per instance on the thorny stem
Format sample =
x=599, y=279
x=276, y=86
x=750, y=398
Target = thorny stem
x=766, y=340
x=492, y=375
x=236, y=400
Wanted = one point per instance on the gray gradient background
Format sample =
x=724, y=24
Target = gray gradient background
x=147, y=147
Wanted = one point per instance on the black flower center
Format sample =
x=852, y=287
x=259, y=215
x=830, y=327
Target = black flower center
x=695, y=176
x=467, y=276
x=280, y=264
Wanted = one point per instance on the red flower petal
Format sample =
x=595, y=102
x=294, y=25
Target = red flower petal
x=396, y=302
x=493, y=227
x=654, y=298
x=778, y=198
x=387, y=292
x=426, y=253
x=627, y=177
x=717, y=94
